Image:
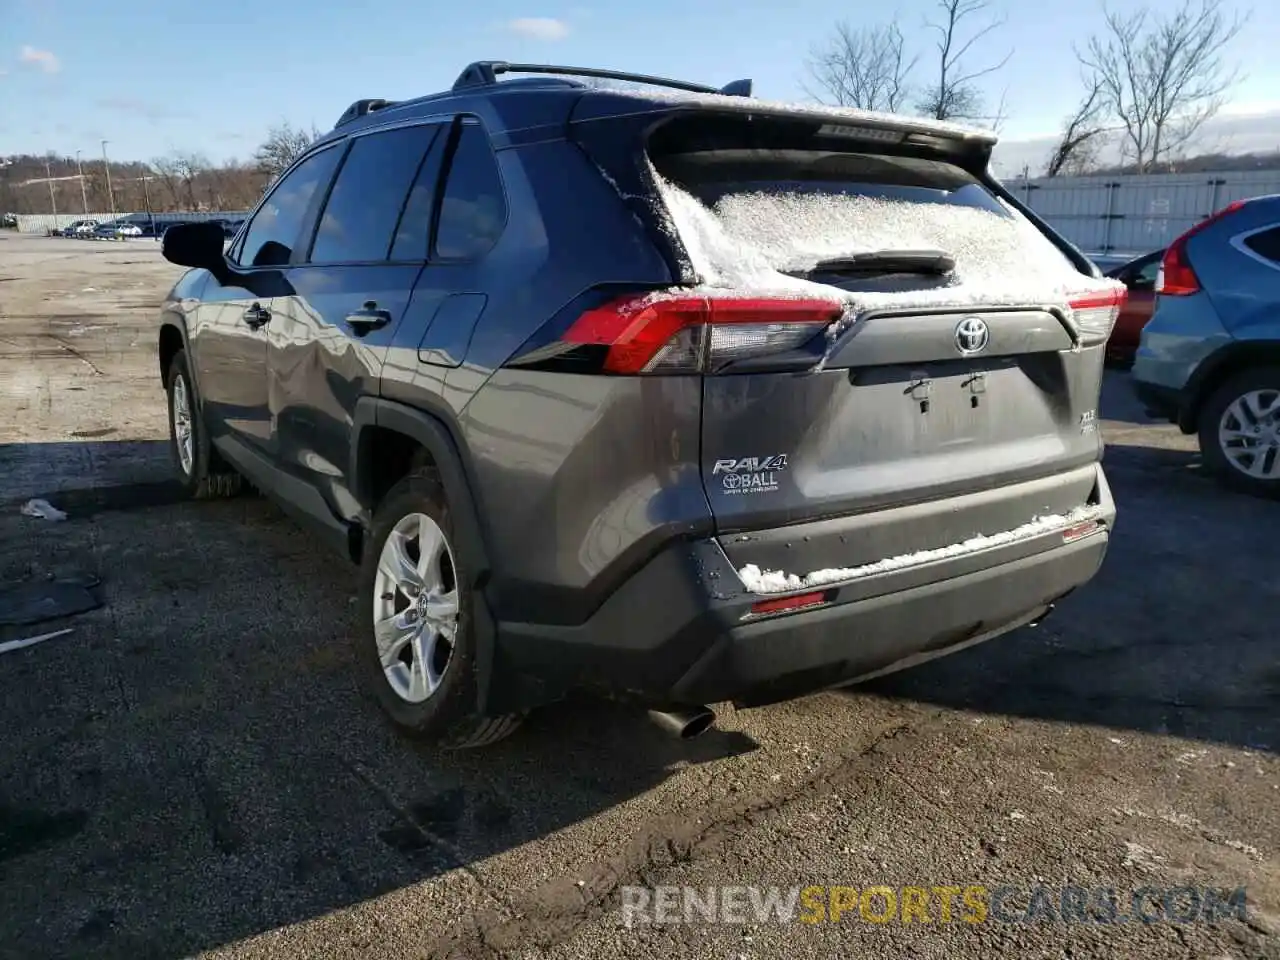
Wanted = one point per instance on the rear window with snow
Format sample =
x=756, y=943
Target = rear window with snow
x=769, y=217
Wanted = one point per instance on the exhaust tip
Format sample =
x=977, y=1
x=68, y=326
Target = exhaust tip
x=684, y=724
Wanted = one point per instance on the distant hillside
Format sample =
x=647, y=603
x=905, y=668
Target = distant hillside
x=1206, y=163
x=175, y=183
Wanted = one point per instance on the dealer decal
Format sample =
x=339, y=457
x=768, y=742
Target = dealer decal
x=750, y=474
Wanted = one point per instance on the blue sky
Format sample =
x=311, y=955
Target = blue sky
x=156, y=76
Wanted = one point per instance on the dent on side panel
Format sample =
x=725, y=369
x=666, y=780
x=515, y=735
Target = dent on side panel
x=575, y=471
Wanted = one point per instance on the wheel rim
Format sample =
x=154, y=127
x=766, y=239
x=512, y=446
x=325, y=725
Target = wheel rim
x=182, y=430
x=415, y=607
x=1249, y=434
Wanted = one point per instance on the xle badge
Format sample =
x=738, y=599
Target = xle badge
x=750, y=474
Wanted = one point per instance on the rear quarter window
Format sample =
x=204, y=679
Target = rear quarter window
x=1265, y=243
x=473, y=206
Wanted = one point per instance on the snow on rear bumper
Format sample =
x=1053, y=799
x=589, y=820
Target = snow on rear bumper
x=880, y=550
x=1051, y=530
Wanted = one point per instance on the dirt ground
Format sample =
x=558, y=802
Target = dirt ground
x=193, y=769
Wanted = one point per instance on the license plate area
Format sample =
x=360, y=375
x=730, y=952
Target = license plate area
x=950, y=402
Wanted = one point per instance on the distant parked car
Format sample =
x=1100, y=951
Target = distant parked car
x=105, y=231
x=1209, y=359
x=128, y=230
x=1139, y=275
x=79, y=228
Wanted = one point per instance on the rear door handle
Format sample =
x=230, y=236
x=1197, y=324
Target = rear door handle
x=368, y=318
x=256, y=316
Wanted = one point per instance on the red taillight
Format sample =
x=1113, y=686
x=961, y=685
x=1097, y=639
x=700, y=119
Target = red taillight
x=673, y=333
x=1176, y=278
x=785, y=604
x=1095, y=315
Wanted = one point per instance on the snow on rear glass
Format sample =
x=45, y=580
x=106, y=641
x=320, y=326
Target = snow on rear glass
x=746, y=240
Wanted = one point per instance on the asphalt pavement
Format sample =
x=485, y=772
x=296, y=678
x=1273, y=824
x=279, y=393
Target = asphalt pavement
x=193, y=769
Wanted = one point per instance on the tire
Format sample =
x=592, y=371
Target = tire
x=200, y=470
x=437, y=704
x=1220, y=412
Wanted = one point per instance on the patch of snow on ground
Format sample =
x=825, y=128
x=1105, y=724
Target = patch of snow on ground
x=777, y=581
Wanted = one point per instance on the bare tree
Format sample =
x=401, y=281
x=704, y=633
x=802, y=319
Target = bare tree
x=283, y=145
x=181, y=174
x=866, y=67
x=1163, y=76
x=956, y=94
x=1076, y=151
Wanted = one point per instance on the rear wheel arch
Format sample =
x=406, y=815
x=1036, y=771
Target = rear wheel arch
x=374, y=419
x=1217, y=369
x=432, y=443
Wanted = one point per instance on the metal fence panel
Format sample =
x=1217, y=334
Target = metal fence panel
x=1131, y=215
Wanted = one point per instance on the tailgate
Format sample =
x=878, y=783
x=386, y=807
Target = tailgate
x=959, y=368
x=896, y=417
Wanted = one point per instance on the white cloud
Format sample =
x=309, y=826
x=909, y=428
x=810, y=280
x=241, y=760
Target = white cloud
x=539, y=28
x=44, y=59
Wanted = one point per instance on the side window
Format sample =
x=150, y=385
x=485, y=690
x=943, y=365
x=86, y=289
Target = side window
x=361, y=213
x=1266, y=244
x=277, y=225
x=1145, y=277
x=473, y=209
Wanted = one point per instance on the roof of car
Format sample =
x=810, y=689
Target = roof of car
x=516, y=99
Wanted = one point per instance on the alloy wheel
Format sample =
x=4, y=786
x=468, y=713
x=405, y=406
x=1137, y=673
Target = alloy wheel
x=415, y=607
x=1249, y=434
x=182, y=426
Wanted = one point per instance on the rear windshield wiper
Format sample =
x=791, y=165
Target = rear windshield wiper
x=884, y=261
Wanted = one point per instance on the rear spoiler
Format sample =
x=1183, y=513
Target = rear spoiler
x=836, y=123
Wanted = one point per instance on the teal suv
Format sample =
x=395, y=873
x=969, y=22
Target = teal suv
x=1209, y=359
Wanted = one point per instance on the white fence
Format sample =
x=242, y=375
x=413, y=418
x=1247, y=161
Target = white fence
x=1136, y=214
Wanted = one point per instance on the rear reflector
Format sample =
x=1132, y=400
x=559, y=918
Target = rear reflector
x=681, y=333
x=1095, y=315
x=1080, y=530
x=786, y=604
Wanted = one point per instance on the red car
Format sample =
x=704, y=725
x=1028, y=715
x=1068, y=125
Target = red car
x=1140, y=277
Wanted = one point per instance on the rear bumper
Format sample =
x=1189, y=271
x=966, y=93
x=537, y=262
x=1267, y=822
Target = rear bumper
x=681, y=630
x=1158, y=400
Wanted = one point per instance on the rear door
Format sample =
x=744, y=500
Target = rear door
x=229, y=328
x=330, y=334
x=938, y=383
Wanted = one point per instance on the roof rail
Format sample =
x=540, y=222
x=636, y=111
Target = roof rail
x=484, y=73
x=360, y=108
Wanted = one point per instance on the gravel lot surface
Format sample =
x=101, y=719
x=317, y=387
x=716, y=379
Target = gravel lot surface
x=193, y=768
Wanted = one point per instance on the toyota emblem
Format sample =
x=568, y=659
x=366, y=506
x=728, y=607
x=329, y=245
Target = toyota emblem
x=972, y=335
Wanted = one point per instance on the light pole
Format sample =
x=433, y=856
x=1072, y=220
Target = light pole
x=53, y=204
x=84, y=194
x=106, y=165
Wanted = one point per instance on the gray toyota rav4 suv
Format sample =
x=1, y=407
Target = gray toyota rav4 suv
x=649, y=389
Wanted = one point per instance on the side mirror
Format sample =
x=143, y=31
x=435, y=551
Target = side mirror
x=194, y=245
